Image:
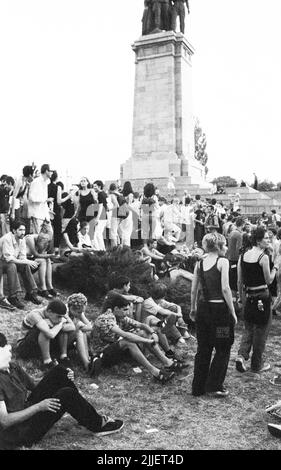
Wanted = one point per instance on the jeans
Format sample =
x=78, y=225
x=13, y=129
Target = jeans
x=254, y=337
x=215, y=330
x=12, y=270
x=56, y=385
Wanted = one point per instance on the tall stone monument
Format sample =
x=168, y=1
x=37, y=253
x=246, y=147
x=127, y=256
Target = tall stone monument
x=163, y=126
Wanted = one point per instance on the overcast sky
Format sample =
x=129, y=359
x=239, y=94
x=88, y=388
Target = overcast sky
x=67, y=80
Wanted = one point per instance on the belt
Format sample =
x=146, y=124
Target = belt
x=218, y=301
x=256, y=291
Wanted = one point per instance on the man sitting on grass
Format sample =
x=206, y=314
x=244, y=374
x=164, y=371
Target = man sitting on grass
x=46, y=331
x=121, y=337
x=28, y=411
x=122, y=285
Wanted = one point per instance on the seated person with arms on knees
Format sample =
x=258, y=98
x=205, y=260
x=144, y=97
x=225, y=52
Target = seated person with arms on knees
x=166, y=317
x=15, y=262
x=122, y=285
x=156, y=258
x=38, y=246
x=77, y=304
x=28, y=411
x=120, y=338
x=70, y=240
x=46, y=332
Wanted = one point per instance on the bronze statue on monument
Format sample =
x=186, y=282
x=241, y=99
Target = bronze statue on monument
x=161, y=15
x=178, y=9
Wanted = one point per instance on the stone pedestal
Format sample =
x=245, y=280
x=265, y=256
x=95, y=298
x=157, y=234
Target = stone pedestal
x=163, y=127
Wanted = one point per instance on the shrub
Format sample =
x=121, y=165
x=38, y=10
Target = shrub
x=91, y=272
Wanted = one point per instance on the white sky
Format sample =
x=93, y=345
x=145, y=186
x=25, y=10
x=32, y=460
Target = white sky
x=67, y=80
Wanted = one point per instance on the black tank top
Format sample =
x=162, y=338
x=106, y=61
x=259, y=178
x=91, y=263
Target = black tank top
x=212, y=281
x=253, y=273
x=85, y=202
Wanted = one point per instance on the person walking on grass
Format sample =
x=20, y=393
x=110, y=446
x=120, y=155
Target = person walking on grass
x=254, y=279
x=29, y=410
x=214, y=316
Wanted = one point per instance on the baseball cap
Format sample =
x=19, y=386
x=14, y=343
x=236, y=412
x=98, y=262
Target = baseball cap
x=3, y=340
x=58, y=307
x=45, y=167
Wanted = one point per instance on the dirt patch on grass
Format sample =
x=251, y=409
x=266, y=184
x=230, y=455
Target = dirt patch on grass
x=179, y=420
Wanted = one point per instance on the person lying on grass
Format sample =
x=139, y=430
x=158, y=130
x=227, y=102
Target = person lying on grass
x=122, y=285
x=77, y=304
x=165, y=317
x=123, y=337
x=45, y=333
x=28, y=411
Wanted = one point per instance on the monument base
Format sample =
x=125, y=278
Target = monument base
x=183, y=183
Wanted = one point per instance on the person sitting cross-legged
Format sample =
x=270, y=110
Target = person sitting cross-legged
x=14, y=262
x=28, y=410
x=46, y=332
x=121, y=337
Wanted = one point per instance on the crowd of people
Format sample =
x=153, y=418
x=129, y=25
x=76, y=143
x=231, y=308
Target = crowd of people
x=236, y=271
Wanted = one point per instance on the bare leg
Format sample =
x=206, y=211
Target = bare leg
x=138, y=312
x=160, y=355
x=49, y=280
x=139, y=357
x=63, y=342
x=42, y=273
x=82, y=348
x=44, y=344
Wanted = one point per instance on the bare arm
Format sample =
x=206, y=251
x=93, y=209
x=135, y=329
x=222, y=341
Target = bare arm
x=10, y=419
x=194, y=293
x=269, y=275
x=240, y=279
x=50, y=333
x=69, y=244
x=131, y=336
x=223, y=267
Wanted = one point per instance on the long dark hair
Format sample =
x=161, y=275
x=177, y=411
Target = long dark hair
x=127, y=188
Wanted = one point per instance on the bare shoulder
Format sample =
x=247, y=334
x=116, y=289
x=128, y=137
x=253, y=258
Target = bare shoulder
x=223, y=263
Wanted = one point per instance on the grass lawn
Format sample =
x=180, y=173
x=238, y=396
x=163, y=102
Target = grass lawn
x=177, y=420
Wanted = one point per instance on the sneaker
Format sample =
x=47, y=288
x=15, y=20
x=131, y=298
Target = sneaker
x=49, y=365
x=274, y=429
x=223, y=393
x=177, y=366
x=110, y=426
x=4, y=303
x=32, y=298
x=52, y=292
x=264, y=368
x=16, y=302
x=276, y=380
x=170, y=354
x=164, y=376
x=45, y=294
x=65, y=362
x=240, y=364
x=95, y=366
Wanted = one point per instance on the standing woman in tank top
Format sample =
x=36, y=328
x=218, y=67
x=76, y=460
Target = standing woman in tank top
x=213, y=312
x=254, y=277
x=87, y=197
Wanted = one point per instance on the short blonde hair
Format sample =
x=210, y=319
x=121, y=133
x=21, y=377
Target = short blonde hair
x=213, y=242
